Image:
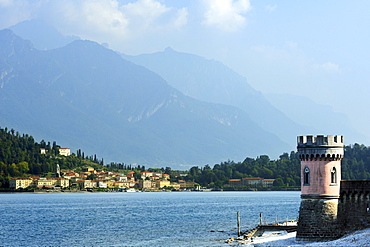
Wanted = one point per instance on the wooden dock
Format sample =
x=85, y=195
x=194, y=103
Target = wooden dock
x=290, y=226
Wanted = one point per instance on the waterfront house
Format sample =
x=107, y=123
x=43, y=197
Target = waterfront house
x=44, y=183
x=18, y=183
x=253, y=182
x=182, y=183
x=145, y=184
x=268, y=182
x=235, y=182
x=162, y=183
x=102, y=183
x=86, y=183
x=61, y=182
x=110, y=183
x=119, y=185
x=190, y=184
x=176, y=186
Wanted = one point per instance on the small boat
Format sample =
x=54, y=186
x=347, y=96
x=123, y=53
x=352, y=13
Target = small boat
x=131, y=190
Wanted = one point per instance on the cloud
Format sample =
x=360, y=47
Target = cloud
x=271, y=8
x=99, y=20
x=226, y=15
x=14, y=11
x=88, y=18
x=181, y=20
x=328, y=67
x=151, y=15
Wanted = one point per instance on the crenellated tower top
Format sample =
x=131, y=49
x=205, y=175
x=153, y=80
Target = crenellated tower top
x=320, y=147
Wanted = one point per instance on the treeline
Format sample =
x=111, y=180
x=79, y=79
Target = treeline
x=20, y=156
x=356, y=162
x=286, y=170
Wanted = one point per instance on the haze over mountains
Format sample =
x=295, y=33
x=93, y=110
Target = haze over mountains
x=285, y=115
x=42, y=35
x=186, y=110
x=211, y=81
x=84, y=95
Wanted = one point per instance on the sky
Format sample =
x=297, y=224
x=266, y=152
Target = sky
x=316, y=49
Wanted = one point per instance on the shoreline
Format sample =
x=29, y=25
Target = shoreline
x=139, y=191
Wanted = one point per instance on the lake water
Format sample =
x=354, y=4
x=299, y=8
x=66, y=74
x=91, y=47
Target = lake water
x=137, y=219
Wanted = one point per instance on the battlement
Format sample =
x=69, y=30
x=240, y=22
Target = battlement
x=320, y=140
x=320, y=147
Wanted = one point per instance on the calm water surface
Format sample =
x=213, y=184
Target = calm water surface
x=136, y=219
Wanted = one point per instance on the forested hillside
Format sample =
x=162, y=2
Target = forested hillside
x=20, y=156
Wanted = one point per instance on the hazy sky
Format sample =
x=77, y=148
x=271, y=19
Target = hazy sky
x=318, y=49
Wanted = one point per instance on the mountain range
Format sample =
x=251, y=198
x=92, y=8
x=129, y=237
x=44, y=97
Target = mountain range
x=86, y=96
x=285, y=115
x=211, y=81
x=165, y=108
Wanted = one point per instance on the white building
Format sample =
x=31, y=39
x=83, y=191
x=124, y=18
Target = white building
x=65, y=151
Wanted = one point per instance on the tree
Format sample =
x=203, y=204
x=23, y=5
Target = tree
x=23, y=167
x=13, y=170
x=279, y=182
x=137, y=175
x=91, y=176
x=168, y=170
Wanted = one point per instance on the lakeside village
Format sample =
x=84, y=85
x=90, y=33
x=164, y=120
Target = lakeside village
x=90, y=179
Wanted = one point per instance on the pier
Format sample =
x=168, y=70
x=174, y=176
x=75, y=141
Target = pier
x=288, y=226
x=249, y=235
x=258, y=231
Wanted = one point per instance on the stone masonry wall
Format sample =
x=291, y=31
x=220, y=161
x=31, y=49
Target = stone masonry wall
x=354, y=205
x=318, y=220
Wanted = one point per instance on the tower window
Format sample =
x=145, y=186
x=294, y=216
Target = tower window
x=334, y=175
x=306, y=176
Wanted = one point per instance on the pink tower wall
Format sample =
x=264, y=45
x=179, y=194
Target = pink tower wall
x=320, y=154
x=320, y=177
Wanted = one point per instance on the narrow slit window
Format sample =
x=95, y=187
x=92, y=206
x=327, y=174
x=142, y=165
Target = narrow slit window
x=306, y=176
x=334, y=176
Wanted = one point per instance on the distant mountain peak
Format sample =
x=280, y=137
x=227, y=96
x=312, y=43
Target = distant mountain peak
x=11, y=44
x=42, y=34
x=169, y=49
x=85, y=44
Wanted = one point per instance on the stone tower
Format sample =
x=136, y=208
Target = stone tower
x=58, y=171
x=320, y=183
